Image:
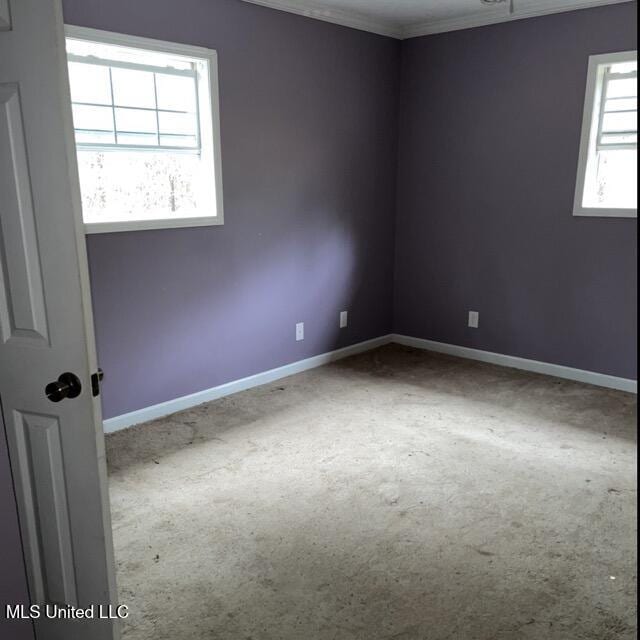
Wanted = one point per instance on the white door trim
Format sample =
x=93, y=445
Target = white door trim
x=56, y=446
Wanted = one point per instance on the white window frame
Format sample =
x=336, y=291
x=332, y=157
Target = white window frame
x=173, y=48
x=590, y=129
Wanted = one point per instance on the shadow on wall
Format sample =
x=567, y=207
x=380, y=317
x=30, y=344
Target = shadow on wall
x=308, y=115
x=178, y=336
x=190, y=309
x=308, y=233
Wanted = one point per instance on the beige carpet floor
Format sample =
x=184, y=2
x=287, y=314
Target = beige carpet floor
x=396, y=495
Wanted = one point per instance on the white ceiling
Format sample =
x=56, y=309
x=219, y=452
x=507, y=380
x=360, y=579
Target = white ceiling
x=409, y=18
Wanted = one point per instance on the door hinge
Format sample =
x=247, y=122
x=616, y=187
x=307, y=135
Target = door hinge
x=96, y=379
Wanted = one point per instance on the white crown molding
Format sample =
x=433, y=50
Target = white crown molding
x=480, y=19
x=355, y=20
x=344, y=18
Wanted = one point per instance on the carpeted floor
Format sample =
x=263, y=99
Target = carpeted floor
x=394, y=495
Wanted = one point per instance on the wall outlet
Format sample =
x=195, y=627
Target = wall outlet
x=474, y=319
x=343, y=319
x=299, y=331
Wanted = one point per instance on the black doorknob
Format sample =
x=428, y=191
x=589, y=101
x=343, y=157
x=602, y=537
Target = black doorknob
x=66, y=386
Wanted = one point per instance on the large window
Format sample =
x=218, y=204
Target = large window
x=607, y=183
x=145, y=115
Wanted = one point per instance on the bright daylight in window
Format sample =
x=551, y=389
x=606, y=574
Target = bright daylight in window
x=146, y=131
x=607, y=174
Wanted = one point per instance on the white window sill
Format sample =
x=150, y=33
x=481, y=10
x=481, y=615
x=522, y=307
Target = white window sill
x=159, y=223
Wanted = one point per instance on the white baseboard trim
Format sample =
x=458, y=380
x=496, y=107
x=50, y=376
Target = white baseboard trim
x=186, y=402
x=559, y=371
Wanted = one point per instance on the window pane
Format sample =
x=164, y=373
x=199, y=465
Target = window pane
x=624, y=67
x=133, y=88
x=611, y=139
x=617, y=180
x=136, y=172
x=89, y=83
x=139, y=185
x=176, y=92
x=138, y=139
x=136, y=120
x=622, y=88
x=183, y=123
x=125, y=54
x=619, y=122
x=92, y=117
x=621, y=104
x=178, y=141
x=94, y=137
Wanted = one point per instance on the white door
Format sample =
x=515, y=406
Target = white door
x=56, y=448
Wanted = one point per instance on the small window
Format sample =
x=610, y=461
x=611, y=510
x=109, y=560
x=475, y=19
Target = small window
x=145, y=117
x=607, y=183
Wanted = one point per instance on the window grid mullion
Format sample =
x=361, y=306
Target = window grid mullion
x=192, y=73
x=603, y=102
x=123, y=106
x=155, y=98
x=113, y=109
x=195, y=81
x=95, y=61
x=601, y=144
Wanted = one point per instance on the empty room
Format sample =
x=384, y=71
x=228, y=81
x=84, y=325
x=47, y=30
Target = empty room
x=318, y=319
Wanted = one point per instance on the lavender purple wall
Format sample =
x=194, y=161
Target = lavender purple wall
x=490, y=121
x=308, y=118
x=489, y=134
